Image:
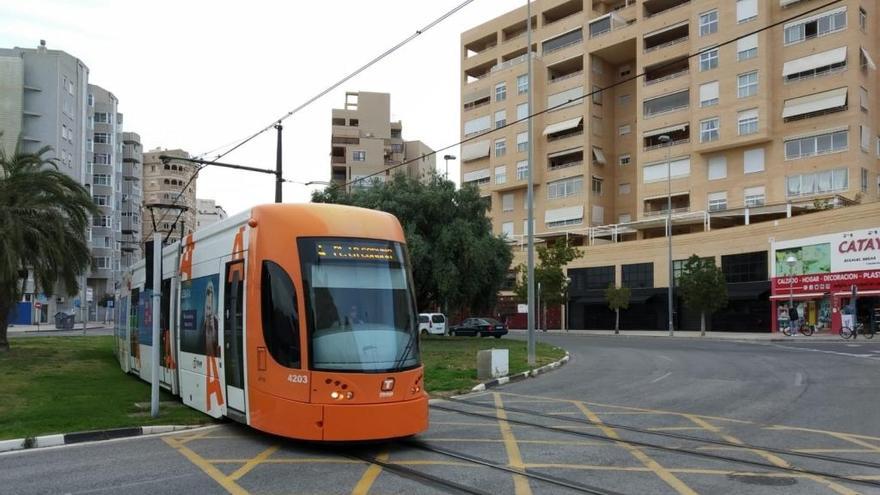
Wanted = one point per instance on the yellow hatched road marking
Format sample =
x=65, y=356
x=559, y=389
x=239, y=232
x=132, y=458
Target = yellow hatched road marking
x=824, y=432
x=252, y=463
x=369, y=477
x=520, y=483
x=661, y=472
x=230, y=486
x=536, y=442
x=774, y=459
x=847, y=438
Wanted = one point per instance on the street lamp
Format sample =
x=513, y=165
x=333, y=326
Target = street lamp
x=447, y=158
x=790, y=261
x=665, y=140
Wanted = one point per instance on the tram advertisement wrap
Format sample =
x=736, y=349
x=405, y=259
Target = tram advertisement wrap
x=145, y=318
x=199, y=324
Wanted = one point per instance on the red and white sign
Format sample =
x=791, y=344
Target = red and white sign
x=827, y=282
x=851, y=251
x=38, y=305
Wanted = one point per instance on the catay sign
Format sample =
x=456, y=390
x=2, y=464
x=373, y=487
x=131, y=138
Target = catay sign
x=853, y=251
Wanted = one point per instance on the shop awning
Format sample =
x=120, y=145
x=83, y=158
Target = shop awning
x=476, y=95
x=476, y=175
x=810, y=295
x=868, y=59
x=859, y=293
x=598, y=156
x=474, y=151
x=564, y=214
x=565, y=152
x=814, y=61
x=786, y=3
x=563, y=126
x=665, y=130
x=814, y=103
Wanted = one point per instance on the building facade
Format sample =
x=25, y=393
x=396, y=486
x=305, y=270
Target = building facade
x=208, y=212
x=774, y=121
x=132, y=198
x=364, y=141
x=169, y=191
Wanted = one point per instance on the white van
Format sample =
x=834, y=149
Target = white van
x=432, y=323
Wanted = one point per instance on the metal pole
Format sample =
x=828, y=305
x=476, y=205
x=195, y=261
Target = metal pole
x=278, y=173
x=155, y=357
x=530, y=194
x=669, y=232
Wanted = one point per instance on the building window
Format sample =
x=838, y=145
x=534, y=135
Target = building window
x=91, y=100
x=717, y=168
x=624, y=159
x=522, y=111
x=753, y=196
x=709, y=130
x=747, y=84
x=717, y=201
x=709, y=94
x=747, y=122
x=507, y=229
x=822, y=182
x=522, y=142
x=746, y=267
x=501, y=174
x=864, y=182
x=358, y=156
x=624, y=71
x=624, y=130
x=826, y=23
x=522, y=169
x=279, y=315
x=820, y=144
x=353, y=122
x=565, y=188
x=500, y=119
x=101, y=180
x=865, y=141
x=863, y=20
x=746, y=10
x=596, y=185
x=522, y=84
x=507, y=202
x=102, y=138
x=753, y=161
x=747, y=47
x=500, y=92
x=101, y=117
x=708, y=59
x=863, y=99
x=100, y=200
x=595, y=278
x=708, y=23
x=638, y=275
x=500, y=147
x=624, y=188
x=477, y=125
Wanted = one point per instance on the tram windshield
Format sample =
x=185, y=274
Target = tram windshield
x=360, y=305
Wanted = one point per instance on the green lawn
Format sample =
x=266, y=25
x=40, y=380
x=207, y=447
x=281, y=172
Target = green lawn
x=451, y=362
x=68, y=384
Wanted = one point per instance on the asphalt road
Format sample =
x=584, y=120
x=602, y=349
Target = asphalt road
x=626, y=415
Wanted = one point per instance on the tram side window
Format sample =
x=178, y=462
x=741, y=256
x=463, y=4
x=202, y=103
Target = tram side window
x=280, y=317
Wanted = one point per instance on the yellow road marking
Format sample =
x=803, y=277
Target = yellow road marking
x=289, y=460
x=520, y=483
x=252, y=463
x=824, y=432
x=847, y=438
x=536, y=442
x=661, y=472
x=230, y=486
x=182, y=439
x=674, y=428
x=833, y=451
x=458, y=423
x=366, y=482
x=772, y=458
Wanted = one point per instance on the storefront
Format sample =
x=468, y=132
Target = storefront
x=817, y=275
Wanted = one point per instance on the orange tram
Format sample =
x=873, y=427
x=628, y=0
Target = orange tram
x=295, y=319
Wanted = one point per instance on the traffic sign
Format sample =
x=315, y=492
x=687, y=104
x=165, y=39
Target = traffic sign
x=90, y=294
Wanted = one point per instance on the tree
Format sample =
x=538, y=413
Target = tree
x=703, y=287
x=457, y=263
x=549, y=272
x=44, y=215
x=618, y=298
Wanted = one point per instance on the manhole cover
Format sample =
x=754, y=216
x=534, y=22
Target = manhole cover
x=758, y=479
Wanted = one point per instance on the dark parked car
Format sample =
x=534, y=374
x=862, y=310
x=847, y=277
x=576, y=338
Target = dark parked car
x=484, y=327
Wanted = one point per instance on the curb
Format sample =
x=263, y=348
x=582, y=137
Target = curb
x=481, y=387
x=88, y=436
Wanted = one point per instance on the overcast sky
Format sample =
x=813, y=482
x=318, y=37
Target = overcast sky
x=198, y=75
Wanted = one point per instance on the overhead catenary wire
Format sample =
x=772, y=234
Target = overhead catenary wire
x=311, y=100
x=590, y=94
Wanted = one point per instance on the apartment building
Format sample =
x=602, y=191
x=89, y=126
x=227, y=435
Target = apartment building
x=745, y=136
x=132, y=198
x=772, y=125
x=169, y=191
x=364, y=141
x=208, y=212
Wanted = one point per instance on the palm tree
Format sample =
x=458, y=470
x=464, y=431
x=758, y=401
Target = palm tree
x=44, y=215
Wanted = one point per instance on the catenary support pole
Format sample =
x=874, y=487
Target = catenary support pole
x=154, y=351
x=279, y=179
x=530, y=191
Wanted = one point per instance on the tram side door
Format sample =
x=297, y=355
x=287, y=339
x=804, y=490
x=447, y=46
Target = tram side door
x=233, y=334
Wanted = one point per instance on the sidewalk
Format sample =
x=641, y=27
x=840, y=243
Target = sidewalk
x=687, y=334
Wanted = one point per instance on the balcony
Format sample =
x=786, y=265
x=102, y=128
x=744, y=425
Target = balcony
x=666, y=71
x=517, y=30
x=677, y=33
x=657, y=7
x=564, y=159
x=563, y=41
x=679, y=134
x=608, y=23
x=565, y=69
x=479, y=46
x=681, y=203
x=481, y=71
x=338, y=174
x=666, y=103
x=511, y=61
x=562, y=11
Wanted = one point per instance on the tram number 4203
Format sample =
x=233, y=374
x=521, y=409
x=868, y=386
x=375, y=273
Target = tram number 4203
x=298, y=378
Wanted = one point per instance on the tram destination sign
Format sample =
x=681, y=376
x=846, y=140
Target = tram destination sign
x=357, y=250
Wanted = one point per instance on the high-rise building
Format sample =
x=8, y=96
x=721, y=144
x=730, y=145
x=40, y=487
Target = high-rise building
x=169, y=190
x=364, y=141
x=208, y=212
x=132, y=198
x=777, y=123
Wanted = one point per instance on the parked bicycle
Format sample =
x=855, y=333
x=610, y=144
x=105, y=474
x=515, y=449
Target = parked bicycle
x=803, y=328
x=866, y=331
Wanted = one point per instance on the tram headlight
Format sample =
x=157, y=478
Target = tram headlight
x=335, y=395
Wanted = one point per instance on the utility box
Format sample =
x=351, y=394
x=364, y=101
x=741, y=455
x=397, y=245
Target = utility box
x=492, y=363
